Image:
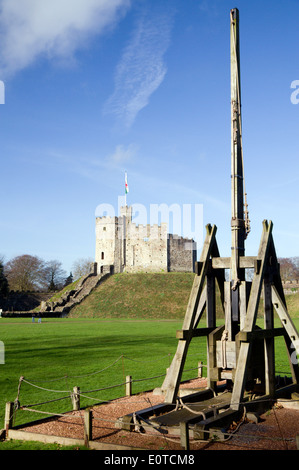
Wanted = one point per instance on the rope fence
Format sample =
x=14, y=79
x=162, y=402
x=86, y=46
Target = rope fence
x=76, y=394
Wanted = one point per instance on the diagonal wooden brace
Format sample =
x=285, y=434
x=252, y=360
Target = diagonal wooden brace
x=172, y=380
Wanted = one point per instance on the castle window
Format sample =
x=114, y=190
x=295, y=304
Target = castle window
x=104, y=229
x=102, y=255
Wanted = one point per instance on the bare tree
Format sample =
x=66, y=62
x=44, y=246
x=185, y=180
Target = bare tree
x=81, y=267
x=25, y=273
x=54, y=275
x=289, y=268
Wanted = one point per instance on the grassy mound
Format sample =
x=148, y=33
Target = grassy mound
x=146, y=296
x=140, y=295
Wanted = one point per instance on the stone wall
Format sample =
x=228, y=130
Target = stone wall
x=181, y=254
x=146, y=248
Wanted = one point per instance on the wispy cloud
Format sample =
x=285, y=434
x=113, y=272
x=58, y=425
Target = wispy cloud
x=142, y=67
x=30, y=29
x=123, y=154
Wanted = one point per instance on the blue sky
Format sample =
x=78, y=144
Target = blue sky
x=94, y=88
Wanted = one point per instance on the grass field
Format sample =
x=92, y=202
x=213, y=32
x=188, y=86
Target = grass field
x=115, y=332
x=74, y=351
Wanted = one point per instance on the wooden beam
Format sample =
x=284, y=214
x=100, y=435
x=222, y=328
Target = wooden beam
x=201, y=306
x=224, y=262
x=195, y=333
x=269, y=341
x=228, y=309
x=248, y=336
x=285, y=318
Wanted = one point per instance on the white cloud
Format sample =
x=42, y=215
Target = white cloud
x=34, y=28
x=141, y=69
x=123, y=154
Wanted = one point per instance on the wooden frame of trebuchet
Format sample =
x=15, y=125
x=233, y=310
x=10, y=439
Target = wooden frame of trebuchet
x=238, y=350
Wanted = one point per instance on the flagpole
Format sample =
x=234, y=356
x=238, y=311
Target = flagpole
x=126, y=188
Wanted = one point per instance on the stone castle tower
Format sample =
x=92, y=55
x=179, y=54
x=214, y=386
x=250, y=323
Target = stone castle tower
x=134, y=248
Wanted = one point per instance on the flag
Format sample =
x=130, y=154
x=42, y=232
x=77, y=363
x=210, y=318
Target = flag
x=126, y=184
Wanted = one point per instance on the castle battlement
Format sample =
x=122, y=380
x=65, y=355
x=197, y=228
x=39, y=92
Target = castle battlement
x=130, y=247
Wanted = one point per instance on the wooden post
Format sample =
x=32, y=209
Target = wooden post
x=269, y=342
x=128, y=385
x=87, y=426
x=228, y=309
x=184, y=434
x=237, y=176
x=76, y=398
x=8, y=422
x=200, y=368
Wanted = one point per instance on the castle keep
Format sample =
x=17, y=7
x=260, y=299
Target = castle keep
x=150, y=248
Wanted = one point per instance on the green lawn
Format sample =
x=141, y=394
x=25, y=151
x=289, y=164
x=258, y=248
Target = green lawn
x=75, y=350
x=58, y=354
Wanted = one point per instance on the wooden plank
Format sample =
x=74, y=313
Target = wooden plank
x=227, y=348
x=224, y=262
x=269, y=341
x=211, y=301
x=213, y=371
x=195, y=333
x=248, y=336
x=219, y=273
x=228, y=309
x=243, y=303
x=201, y=306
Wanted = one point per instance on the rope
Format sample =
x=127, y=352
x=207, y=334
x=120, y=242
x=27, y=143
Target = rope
x=183, y=405
x=45, y=389
x=224, y=338
x=96, y=372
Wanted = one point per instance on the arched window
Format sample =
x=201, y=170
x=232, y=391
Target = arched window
x=102, y=255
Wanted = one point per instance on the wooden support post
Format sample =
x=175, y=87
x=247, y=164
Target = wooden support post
x=211, y=299
x=269, y=342
x=200, y=368
x=128, y=385
x=285, y=319
x=87, y=426
x=292, y=339
x=184, y=434
x=76, y=398
x=228, y=309
x=8, y=421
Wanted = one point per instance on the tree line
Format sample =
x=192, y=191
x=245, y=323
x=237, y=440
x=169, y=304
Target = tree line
x=27, y=273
